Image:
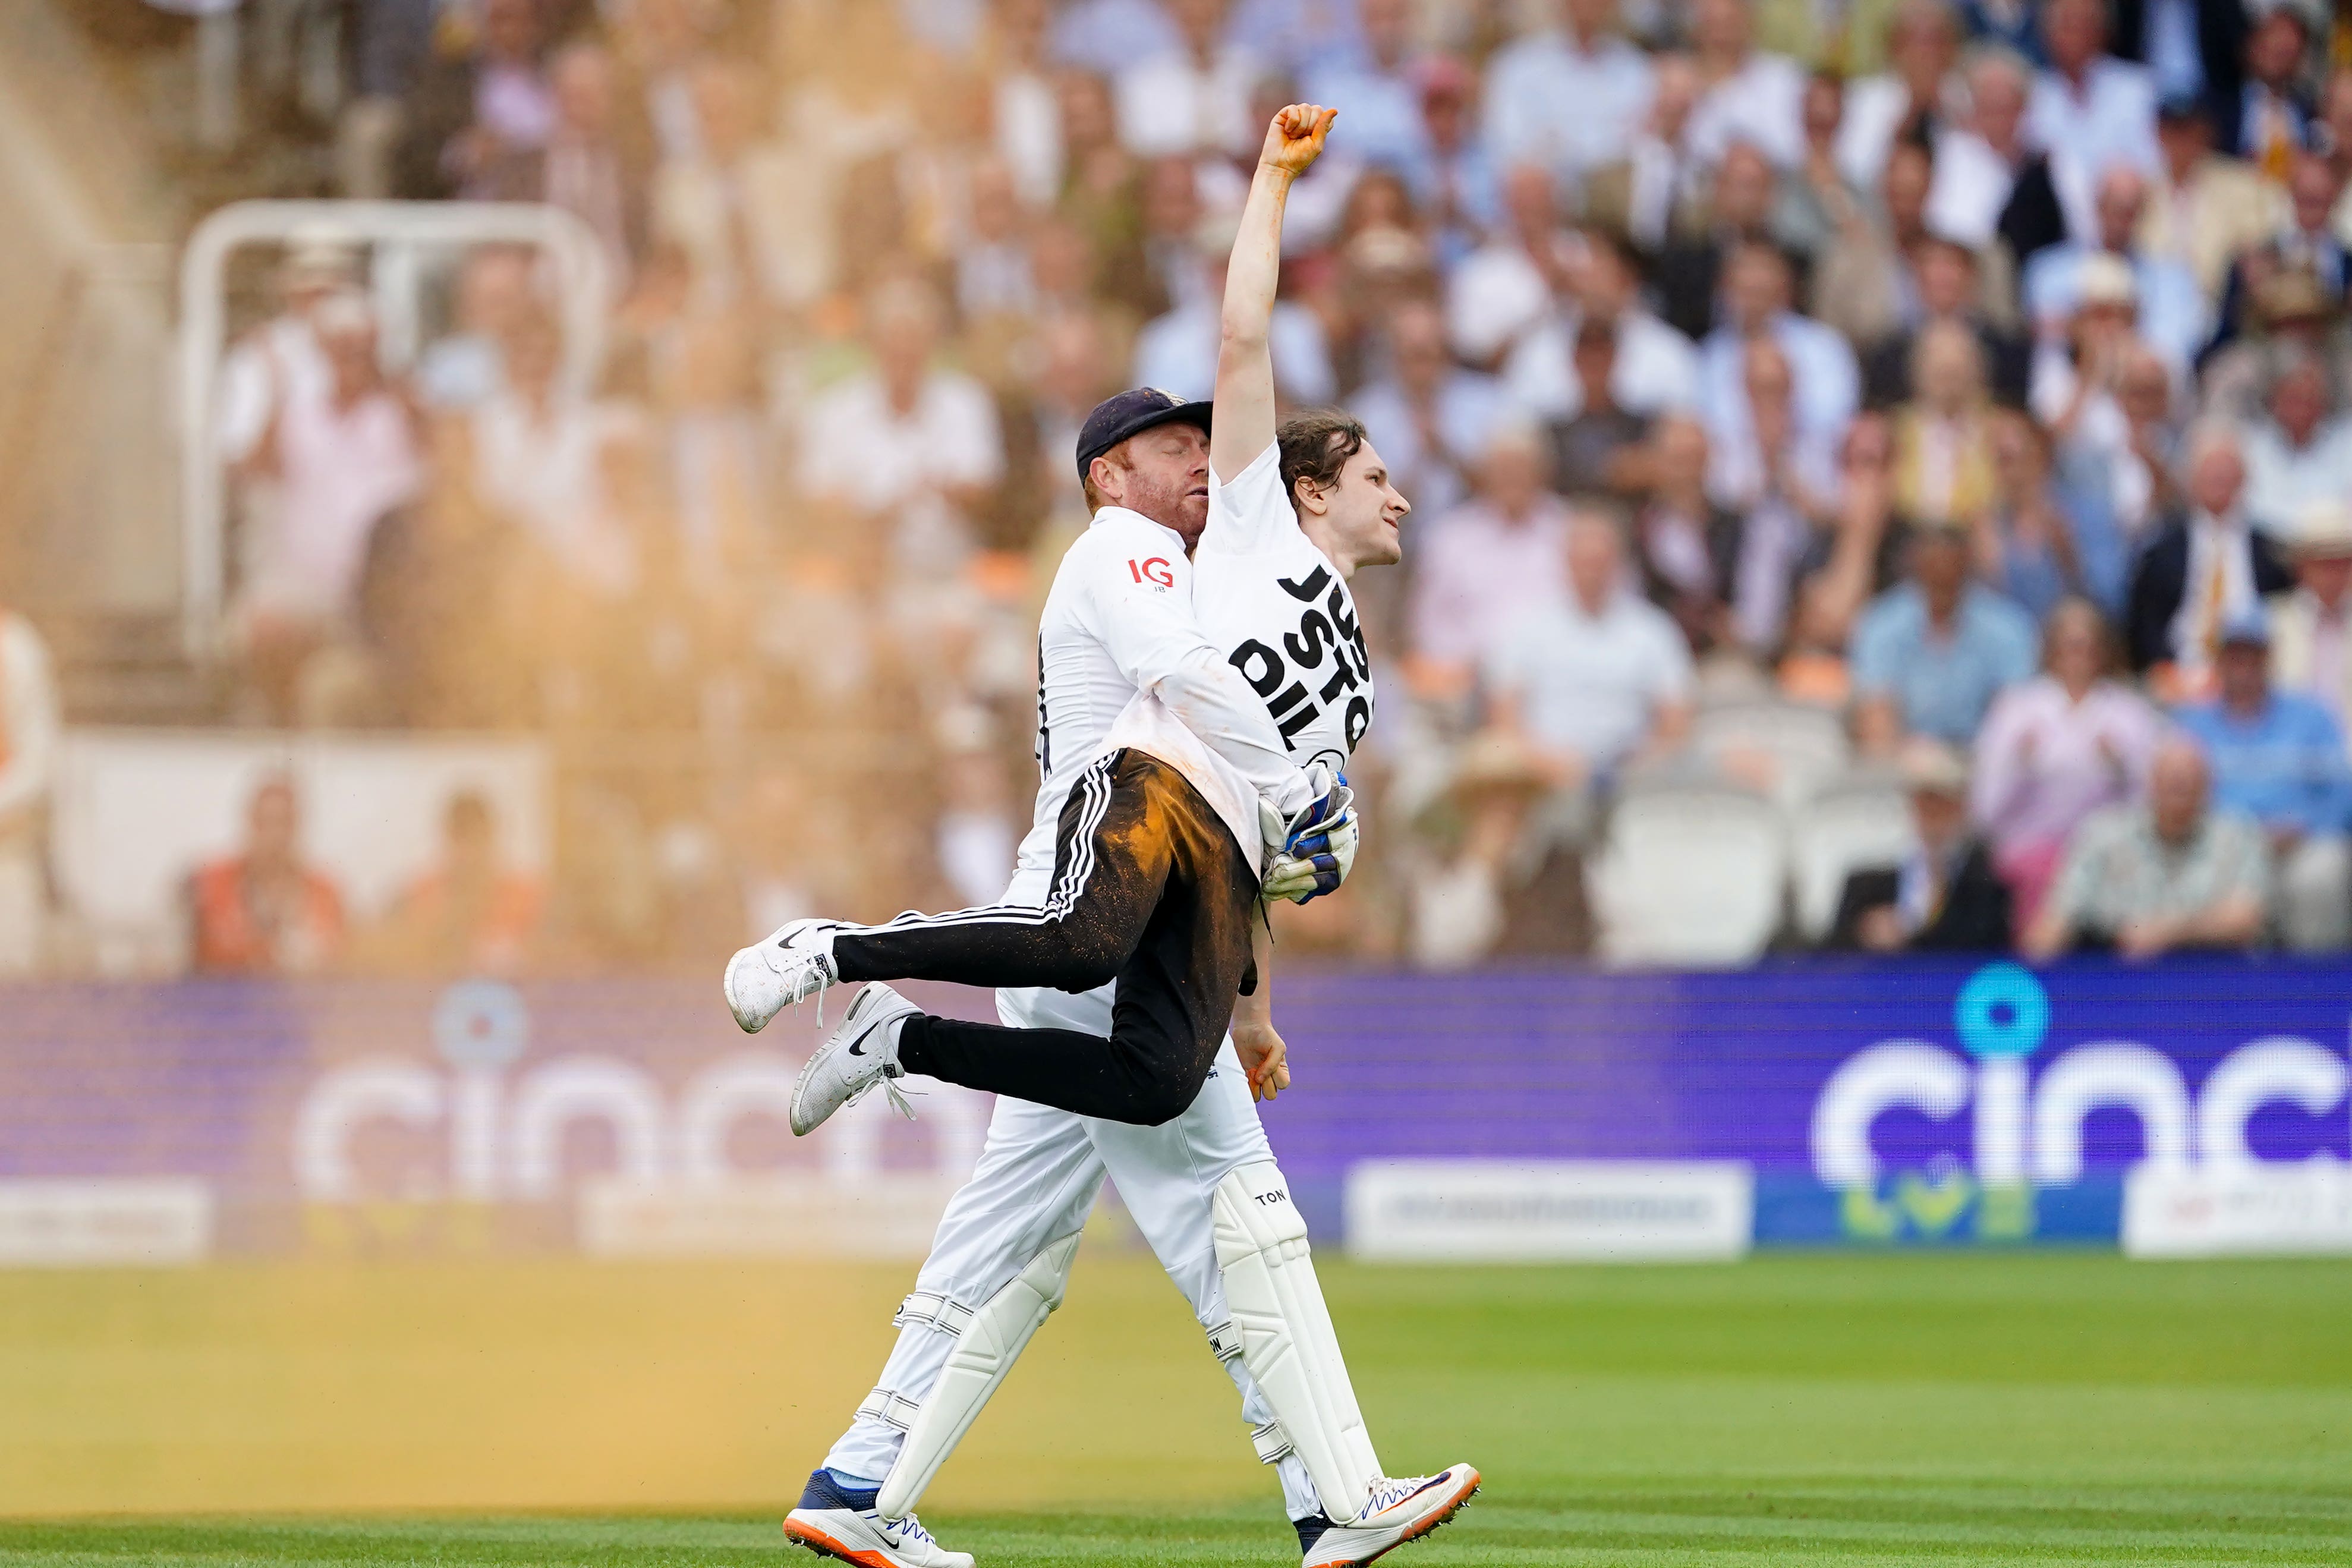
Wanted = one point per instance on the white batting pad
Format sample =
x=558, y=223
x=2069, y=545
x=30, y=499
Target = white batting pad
x=989, y=1343
x=1287, y=1341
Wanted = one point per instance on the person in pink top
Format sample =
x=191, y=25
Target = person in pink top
x=2057, y=748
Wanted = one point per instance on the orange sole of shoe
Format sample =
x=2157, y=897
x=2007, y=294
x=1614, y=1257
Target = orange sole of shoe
x=824, y=1545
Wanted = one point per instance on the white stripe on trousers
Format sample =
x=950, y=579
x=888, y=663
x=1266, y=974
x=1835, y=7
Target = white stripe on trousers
x=1069, y=885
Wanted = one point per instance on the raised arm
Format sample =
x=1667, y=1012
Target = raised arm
x=1244, y=423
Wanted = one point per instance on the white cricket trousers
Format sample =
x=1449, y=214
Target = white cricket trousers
x=1035, y=1183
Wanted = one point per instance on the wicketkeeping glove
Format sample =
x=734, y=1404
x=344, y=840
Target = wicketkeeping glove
x=1313, y=852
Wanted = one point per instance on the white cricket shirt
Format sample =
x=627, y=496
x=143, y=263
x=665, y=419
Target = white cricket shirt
x=1122, y=660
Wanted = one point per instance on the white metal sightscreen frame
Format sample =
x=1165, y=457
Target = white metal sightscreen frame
x=397, y=235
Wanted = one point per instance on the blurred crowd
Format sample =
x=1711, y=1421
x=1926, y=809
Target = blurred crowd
x=1947, y=397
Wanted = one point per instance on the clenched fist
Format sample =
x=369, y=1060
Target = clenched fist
x=1294, y=139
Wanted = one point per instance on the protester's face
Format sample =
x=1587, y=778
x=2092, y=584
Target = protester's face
x=1367, y=511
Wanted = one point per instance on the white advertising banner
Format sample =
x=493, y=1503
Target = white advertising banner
x=71, y=1223
x=2238, y=1210
x=1549, y=1211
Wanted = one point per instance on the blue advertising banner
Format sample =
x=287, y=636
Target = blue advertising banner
x=1941, y=1102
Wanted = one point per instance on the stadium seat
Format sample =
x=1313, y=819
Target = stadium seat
x=1692, y=874
x=1857, y=822
x=1784, y=749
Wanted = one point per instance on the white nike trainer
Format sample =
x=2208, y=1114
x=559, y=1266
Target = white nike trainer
x=792, y=965
x=1398, y=1511
x=831, y=1524
x=857, y=1055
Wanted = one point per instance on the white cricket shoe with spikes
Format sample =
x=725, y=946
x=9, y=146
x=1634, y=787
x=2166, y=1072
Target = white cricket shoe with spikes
x=792, y=965
x=1398, y=1511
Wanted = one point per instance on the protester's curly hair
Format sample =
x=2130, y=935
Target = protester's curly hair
x=1316, y=444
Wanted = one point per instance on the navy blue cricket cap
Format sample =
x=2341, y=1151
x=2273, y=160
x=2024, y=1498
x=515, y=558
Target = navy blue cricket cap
x=1131, y=414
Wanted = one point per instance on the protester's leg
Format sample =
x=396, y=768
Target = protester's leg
x=1175, y=990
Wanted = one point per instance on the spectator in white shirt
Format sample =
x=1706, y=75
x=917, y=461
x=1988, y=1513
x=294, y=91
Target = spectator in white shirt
x=1194, y=97
x=1650, y=193
x=1025, y=106
x=2311, y=628
x=1508, y=286
x=1655, y=367
x=2174, y=317
x=1178, y=352
x=908, y=447
x=1568, y=96
x=343, y=458
x=2089, y=110
x=28, y=738
x=1923, y=44
x=1828, y=382
x=2300, y=453
x=1487, y=562
x=536, y=450
x=1990, y=179
x=281, y=358
x=1428, y=416
x=1596, y=678
x=1746, y=94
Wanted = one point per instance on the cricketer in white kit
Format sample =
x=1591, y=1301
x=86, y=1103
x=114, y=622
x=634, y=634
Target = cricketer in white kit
x=1268, y=583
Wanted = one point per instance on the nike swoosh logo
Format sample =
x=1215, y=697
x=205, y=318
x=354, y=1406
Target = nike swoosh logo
x=859, y=1049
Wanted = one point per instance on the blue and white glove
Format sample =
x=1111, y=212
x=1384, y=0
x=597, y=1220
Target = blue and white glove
x=1314, y=852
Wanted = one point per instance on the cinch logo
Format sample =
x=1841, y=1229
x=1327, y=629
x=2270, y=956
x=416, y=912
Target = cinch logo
x=472, y=1129
x=1155, y=570
x=2028, y=1125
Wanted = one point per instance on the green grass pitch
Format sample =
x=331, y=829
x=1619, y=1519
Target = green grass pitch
x=1939, y=1410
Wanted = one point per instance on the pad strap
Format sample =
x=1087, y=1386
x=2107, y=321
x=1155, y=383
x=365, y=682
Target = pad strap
x=1225, y=1340
x=1272, y=1444
x=934, y=1311
x=890, y=1409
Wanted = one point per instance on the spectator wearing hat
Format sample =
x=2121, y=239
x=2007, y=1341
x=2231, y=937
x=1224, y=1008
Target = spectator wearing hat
x=1932, y=653
x=2279, y=758
x=1568, y=96
x=1942, y=895
x=2299, y=452
x=2311, y=628
x=2071, y=741
x=2207, y=567
x=1501, y=882
x=2173, y=315
x=2202, y=208
x=2176, y=874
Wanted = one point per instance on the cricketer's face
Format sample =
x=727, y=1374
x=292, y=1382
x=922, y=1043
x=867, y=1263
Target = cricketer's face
x=1165, y=476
